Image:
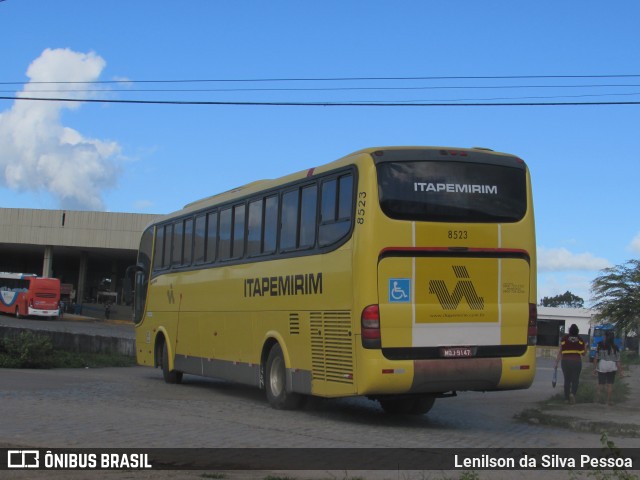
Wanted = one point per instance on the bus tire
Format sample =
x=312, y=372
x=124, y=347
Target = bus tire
x=276, y=382
x=170, y=376
x=414, y=405
x=423, y=404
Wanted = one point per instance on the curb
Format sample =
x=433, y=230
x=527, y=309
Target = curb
x=537, y=416
x=72, y=317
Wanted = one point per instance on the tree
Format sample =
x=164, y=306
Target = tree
x=617, y=295
x=567, y=300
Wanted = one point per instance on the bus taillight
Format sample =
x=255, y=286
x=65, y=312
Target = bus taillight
x=532, y=332
x=370, y=321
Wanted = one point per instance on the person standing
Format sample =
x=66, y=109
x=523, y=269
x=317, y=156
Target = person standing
x=606, y=363
x=572, y=348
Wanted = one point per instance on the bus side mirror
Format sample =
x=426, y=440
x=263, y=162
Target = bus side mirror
x=128, y=283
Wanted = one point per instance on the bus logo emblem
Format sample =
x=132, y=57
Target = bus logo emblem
x=399, y=290
x=464, y=288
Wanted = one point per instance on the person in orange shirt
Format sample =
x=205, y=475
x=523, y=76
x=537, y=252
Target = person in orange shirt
x=572, y=348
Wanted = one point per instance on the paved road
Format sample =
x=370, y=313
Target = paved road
x=133, y=407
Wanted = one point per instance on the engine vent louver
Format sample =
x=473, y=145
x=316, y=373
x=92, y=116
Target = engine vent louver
x=332, y=346
x=294, y=324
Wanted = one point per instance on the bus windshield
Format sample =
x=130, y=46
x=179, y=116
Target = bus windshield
x=440, y=191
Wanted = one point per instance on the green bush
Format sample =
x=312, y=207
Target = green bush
x=30, y=350
x=26, y=350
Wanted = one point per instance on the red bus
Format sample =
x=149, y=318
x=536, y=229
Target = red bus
x=24, y=294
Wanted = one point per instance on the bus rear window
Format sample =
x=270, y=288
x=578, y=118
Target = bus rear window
x=452, y=191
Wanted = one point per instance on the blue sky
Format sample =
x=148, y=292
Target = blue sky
x=151, y=158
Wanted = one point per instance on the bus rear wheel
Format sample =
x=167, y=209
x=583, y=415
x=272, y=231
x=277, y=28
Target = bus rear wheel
x=276, y=382
x=170, y=376
x=414, y=405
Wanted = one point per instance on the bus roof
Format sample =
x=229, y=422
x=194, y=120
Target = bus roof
x=18, y=276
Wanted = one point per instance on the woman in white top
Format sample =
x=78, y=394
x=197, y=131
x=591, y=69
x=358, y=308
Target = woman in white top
x=606, y=363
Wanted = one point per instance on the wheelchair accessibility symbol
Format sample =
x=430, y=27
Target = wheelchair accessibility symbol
x=399, y=290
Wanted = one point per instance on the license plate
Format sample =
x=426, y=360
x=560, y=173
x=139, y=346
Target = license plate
x=456, y=352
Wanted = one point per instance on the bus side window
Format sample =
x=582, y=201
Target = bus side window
x=199, y=239
x=270, y=224
x=289, y=222
x=168, y=236
x=336, y=209
x=178, y=239
x=159, y=248
x=328, y=202
x=238, y=231
x=345, y=197
x=254, y=227
x=212, y=236
x=308, y=208
x=224, y=235
x=188, y=242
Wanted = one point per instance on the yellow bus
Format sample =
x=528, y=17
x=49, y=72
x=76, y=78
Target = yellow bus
x=399, y=273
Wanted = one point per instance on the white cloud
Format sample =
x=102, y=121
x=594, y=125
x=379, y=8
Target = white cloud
x=561, y=259
x=556, y=283
x=635, y=244
x=38, y=153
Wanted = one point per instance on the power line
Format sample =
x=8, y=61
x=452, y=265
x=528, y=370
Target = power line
x=329, y=79
x=83, y=87
x=513, y=99
x=330, y=89
x=322, y=104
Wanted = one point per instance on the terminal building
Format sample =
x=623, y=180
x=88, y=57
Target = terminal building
x=88, y=251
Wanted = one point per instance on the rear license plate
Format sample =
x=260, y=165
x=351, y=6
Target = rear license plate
x=456, y=352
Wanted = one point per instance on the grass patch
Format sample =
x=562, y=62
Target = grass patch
x=64, y=359
x=587, y=388
x=629, y=357
x=30, y=350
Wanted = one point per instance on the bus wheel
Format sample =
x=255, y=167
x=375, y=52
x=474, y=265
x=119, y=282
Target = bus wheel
x=407, y=405
x=170, y=376
x=423, y=404
x=276, y=382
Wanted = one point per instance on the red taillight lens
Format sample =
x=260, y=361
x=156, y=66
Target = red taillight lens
x=370, y=322
x=371, y=317
x=370, y=333
x=532, y=331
